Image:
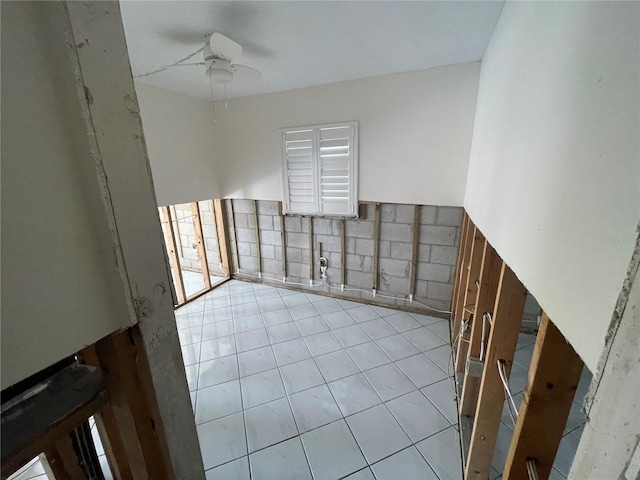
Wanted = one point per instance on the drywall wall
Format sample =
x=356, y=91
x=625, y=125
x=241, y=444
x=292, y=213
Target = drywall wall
x=554, y=175
x=61, y=289
x=178, y=131
x=415, y=134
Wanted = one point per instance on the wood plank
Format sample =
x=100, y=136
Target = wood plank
x=485, y=301
x=458, y=310
x=283, y=242
x=256, y=228
x=343, y=253
x=222, y=231
x=311, y=269
x=414, y=250
x=319, y=255
x=376, y=245
x=172, y=252
x=469, y=312
x=553, y=379
x=232, y=229
x=62, y=461
x=507, y=317
x=362, y=211
x=202, y=252
x=458, y=273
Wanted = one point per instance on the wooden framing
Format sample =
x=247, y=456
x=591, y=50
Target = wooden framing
x=60, y=460
x=553, y=378
x=172, y=251
x=485, y=299
x=257, y=230
x=465, y=254
x=232, y=228
x=376, y=245
x=202, y=252
x=319, y=254
x=459, y=263
x=507, y=318
x=414, y=250
x=220, y=214
x=283, y=242
x=469, y=310
x=343, y=253
x=311, y=269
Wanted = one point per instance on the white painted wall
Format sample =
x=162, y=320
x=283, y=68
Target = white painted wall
x=178, y=130
x=554, y=176
x=415, y=134
x=61, y=289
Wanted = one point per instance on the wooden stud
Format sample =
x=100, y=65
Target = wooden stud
x=458, y=310
x=318, y=254
x=343, y=253
x=362, y=211
x=232, y=228
x=311, y=269
x=485, y=300
x=414, y=250
x=222, y=230
x=553, y=378
x=257, y=230
x=459, y=263
x=172, y=251
x=376, y=245
x=202, y=252
x=62, y=461
x=507, y=317
x=469, y=312
x=283, y=242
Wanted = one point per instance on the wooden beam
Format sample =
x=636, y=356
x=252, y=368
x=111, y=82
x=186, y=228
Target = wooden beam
x=256, y=227
x=469, y=311
x=343, y=253
x=485, y=301
x=222, y=230
x=553, y=379
x=202, y=252
x=310, y=219
x=61, y=461
x=458, y=273
x=172, y=252
x=283, y=242
x=414, y=250
x=232, y=228
x=507, y=317
x=319, y=254
x=458, y=308
x=376, y=245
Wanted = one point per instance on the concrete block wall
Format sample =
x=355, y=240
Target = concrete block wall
x=210, y=234
x=436, y=258
x=185, y=237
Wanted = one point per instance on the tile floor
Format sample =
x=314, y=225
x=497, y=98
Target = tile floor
x=194, y=283
x=292, y=385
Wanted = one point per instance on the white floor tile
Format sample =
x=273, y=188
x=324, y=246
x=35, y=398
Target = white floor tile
x=442, y=451
x=384, y=311
x=523, y=356
x=269, y=424
x=235, y=470
x=276, y=317
x=283, y=332
x=242, y=298
x=419, y=418
x=291, y=351
x=261, y=388
x=566, y=453
x=192, y=376
x=218, y=401
x=271, y=304
x=425, y=319
x=351, y=335
x=217, y=371
x=402, y=322
x=389, y=381
x=442, y=396
x=222, y=440
x=347, y=304
x=368, y=355
x=191, y=353
x=441, y=356
x=322, y=343
x=336, y=365
x=302, y=311
x=442, y=330
x=363, y=313
x=253, y=339
x=364, y=474
x=314, y=407
x=245, y=309
x=338, y=319
x=420, y=370
x=301, y=375
x=378, y=328
x=190, y=335
x=328, y=305
x=377, y=433
x=406, y=465
x=424, y=339
x=311, y=325
x=217, y=329
x=397, y=347
x=284, y=461
x=189, y=320
x=249, y=322
x=218, y=347
x=332, y=451
x=353, y=394
x=503, y=443
x=294, y=299
x=256, y=361
x=218, y=315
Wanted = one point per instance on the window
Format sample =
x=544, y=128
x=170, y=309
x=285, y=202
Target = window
x=321, y=169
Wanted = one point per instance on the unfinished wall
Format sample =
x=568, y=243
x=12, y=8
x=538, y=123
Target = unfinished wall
x=436, y=259
x=414, y=126
x=178, y=130
x=554, y=177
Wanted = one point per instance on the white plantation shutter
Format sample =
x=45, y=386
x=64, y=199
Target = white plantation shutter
x=320, y=169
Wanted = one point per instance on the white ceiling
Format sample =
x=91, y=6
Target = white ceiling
x=304, y=43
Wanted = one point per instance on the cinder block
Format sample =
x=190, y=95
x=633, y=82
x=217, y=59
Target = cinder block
x=531, y=306
x=265, y=222
x=244, y=248
x=298, y=240
x=267, y=207
x=421, y=288
x=388, y=212
x=439, y=291
x=329, y=243
x=423, y=252
x=245, y=235
x=359, y=229
x=359, y=279
x=204, y=205
x=351, y=245
x=434, y=272
x=399, y=285
x=384, y=249
x=210, y=244
x=241, y=220
x=401, y=250
x=242, y=206
x=209, y=231
x=404, y=213
x=449, y=216
x=295, y=270
x=305, y=224
x=428, y=214
x=334, y=261
x=294, y=255
x=292, y=224
x=276, y=222
x=249, y=263
x=396, y=231
x=444, y=255
x=397, y=268
x=335, y=227
x=436, y=235
x=271, y=266
x=270, y=237
x=278, y=252
x=322, y=226
x=364, y=246
x=355, y=262
x=268, y=251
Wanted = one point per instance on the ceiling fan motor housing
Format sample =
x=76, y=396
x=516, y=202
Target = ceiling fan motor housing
x=219, y=70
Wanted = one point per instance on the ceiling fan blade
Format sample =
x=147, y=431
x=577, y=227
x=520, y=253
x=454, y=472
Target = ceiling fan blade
x=245, y=75
x=223, y=47
x=183, y=65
